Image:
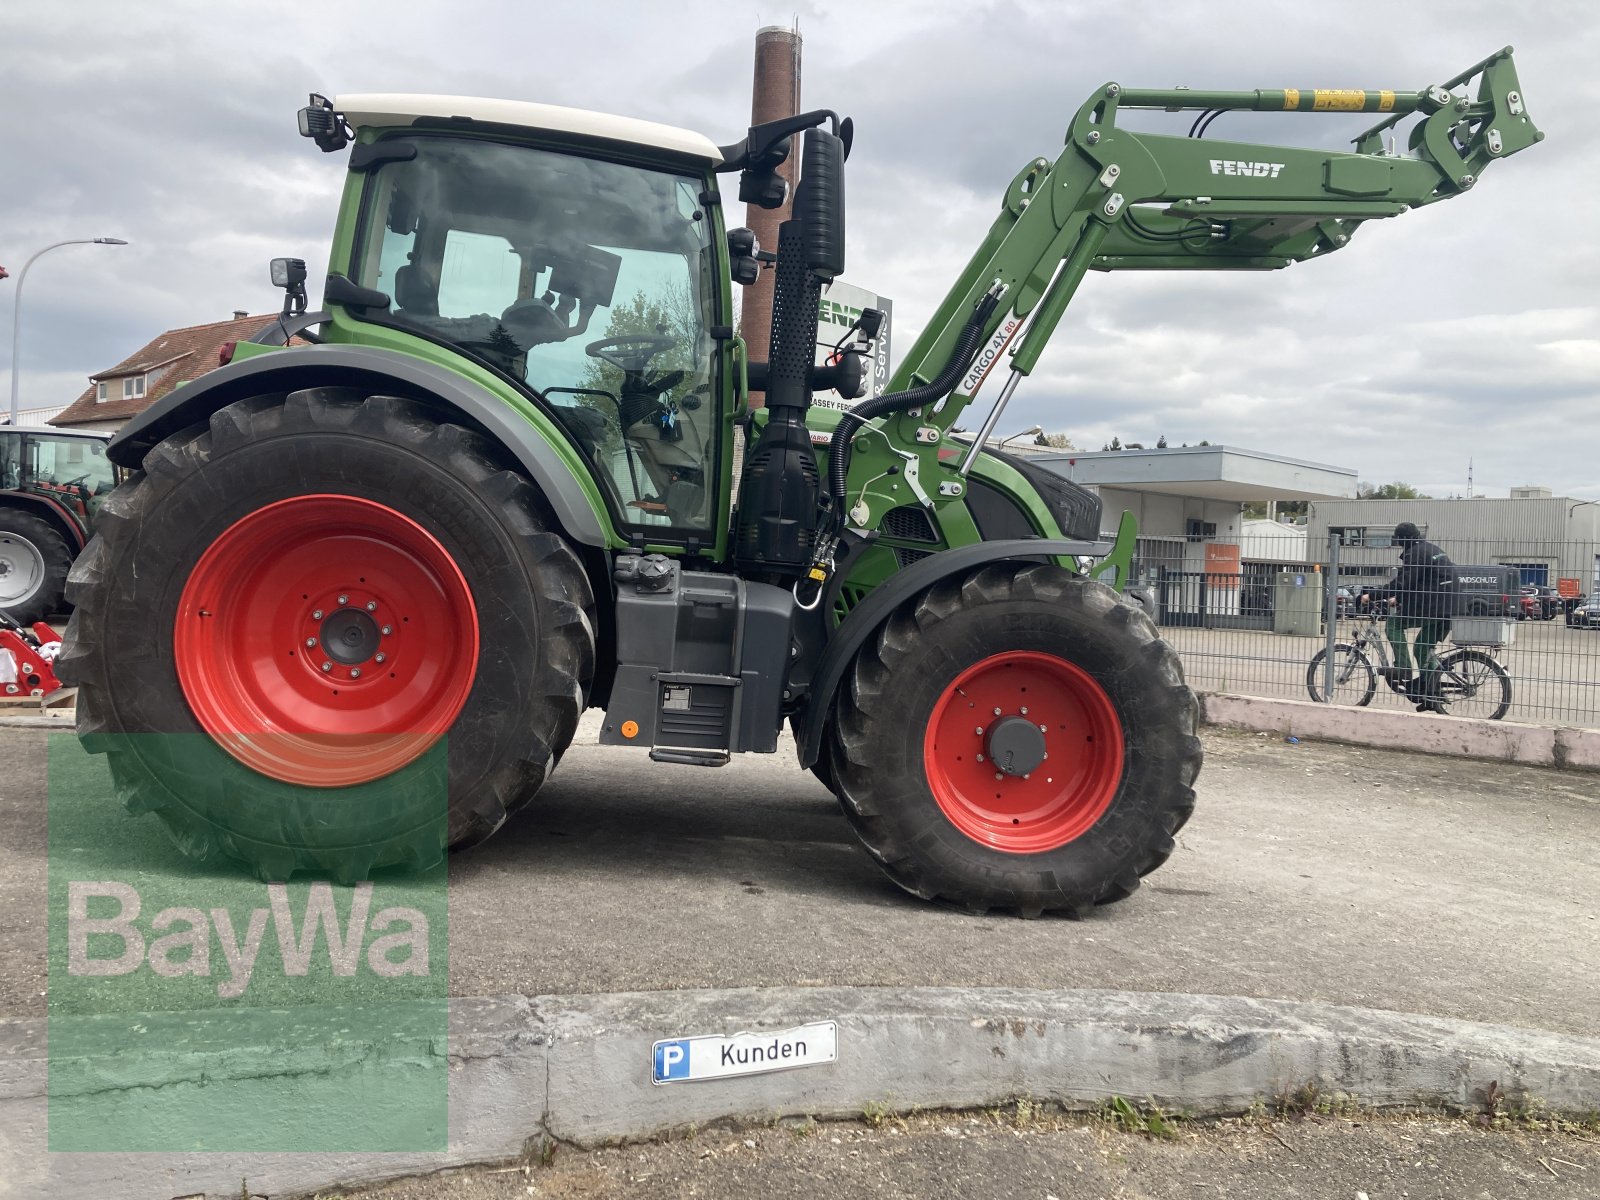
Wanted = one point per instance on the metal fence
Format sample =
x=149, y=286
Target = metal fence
x=1250, y=618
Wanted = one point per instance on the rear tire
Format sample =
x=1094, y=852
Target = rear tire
x=1122, y=728
x=1473, y=684
x=34, y=562
x=1354, y=681
x=193, y=542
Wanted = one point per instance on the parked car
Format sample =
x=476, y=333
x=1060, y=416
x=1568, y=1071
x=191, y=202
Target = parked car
x=1586, y=614
x=1539, y=602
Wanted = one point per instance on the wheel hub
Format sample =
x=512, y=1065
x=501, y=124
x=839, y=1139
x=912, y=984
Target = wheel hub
x=1016, y=746
x=346, y=629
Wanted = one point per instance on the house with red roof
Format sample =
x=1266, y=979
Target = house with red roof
x=120, y=393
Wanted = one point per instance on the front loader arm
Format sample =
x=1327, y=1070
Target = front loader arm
x=1118, y=200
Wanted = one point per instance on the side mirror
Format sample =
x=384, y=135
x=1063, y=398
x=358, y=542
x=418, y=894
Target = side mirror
x=819, y=203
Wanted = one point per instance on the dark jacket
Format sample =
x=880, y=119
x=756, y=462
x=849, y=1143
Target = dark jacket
x=1422, y=583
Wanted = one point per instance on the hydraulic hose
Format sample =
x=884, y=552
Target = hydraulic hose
x=929, y=393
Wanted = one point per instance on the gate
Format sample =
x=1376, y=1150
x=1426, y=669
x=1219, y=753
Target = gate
x=1202, y=600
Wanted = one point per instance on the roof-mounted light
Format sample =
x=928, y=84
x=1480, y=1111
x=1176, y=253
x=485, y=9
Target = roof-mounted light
x=327, y=128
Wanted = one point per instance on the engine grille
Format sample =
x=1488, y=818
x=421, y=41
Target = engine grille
x=908, y=523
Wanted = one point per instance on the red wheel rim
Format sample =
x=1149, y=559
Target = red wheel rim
x=326, y=640
x=1011, y=695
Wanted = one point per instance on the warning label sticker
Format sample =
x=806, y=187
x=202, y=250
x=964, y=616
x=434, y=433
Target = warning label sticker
x=1338, y=99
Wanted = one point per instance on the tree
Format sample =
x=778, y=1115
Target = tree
x=1389, y=491
x=1161, y=442
x=1056, y=441
x=1113, y=444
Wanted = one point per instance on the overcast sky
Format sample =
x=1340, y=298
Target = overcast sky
x=1467, y=330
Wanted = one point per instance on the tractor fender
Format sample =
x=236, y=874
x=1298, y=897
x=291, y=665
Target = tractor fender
x=386, y=372
x=65, y=521
x=866, y=618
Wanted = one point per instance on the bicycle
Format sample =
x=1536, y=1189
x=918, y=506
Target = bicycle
x=1471, y=683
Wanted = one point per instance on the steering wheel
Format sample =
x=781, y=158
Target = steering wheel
x=630, y=351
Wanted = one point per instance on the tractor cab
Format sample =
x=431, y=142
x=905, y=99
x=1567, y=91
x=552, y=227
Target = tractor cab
x=573, y=255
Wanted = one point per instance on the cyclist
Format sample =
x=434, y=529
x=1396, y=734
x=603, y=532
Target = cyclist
x=1420, y=601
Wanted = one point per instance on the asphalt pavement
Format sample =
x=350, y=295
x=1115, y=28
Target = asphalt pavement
x=1448, y=887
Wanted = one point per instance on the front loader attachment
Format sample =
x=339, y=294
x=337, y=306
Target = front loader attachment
x=1214, y=204
x=1120, y=200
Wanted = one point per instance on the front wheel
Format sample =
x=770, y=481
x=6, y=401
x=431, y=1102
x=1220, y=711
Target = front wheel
x=327, y=632
x=1354, y=680
x=1472, y=684
x=1017, y=738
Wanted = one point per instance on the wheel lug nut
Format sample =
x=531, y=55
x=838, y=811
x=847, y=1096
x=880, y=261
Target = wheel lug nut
x=997, y=712
x=978, y=731
x=344, y=599
x=355, y=672
x=316, y=614
x=327, y=666
x=372, y=606
x=377, y=658
x=1044, y=729
x=980, y=758
x=387, y=630
x=1023, y=710
x=311, y=642
x=997, y=775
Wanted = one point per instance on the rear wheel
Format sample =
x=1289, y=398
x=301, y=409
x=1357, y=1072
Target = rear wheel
x=1017, y=738
x=1354, y=680
x=291, y=606
x=34, y=561
x=1472, y=684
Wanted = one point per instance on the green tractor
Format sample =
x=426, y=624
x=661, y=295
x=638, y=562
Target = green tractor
x=52, y=484
x=370, y=584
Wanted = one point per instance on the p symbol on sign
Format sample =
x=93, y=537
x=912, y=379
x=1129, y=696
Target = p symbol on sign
x=672, y=1060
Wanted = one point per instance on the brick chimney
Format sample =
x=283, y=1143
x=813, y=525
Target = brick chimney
x=240, y=314
x=776, y=94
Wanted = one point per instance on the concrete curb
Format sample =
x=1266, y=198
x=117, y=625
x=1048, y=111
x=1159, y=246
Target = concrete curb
x=577, y=1068
x=1506, y=741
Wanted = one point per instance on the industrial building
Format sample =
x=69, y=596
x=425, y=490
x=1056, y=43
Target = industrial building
x=1550, y=540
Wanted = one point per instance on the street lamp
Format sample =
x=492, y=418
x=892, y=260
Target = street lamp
x=16, y=303
x=1031, y=430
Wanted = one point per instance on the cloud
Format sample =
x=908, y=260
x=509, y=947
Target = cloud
x=1469, y=329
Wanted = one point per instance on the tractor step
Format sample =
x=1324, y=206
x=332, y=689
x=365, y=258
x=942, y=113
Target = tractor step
x=690, y=757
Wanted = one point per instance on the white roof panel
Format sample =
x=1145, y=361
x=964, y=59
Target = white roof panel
x=400, y=109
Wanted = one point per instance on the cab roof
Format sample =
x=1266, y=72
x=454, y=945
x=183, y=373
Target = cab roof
x=385, y=109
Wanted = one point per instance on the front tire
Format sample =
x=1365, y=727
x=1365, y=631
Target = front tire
x=1076, y=827
x=1354, y=680
x=34, y=562
x=284, y=613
